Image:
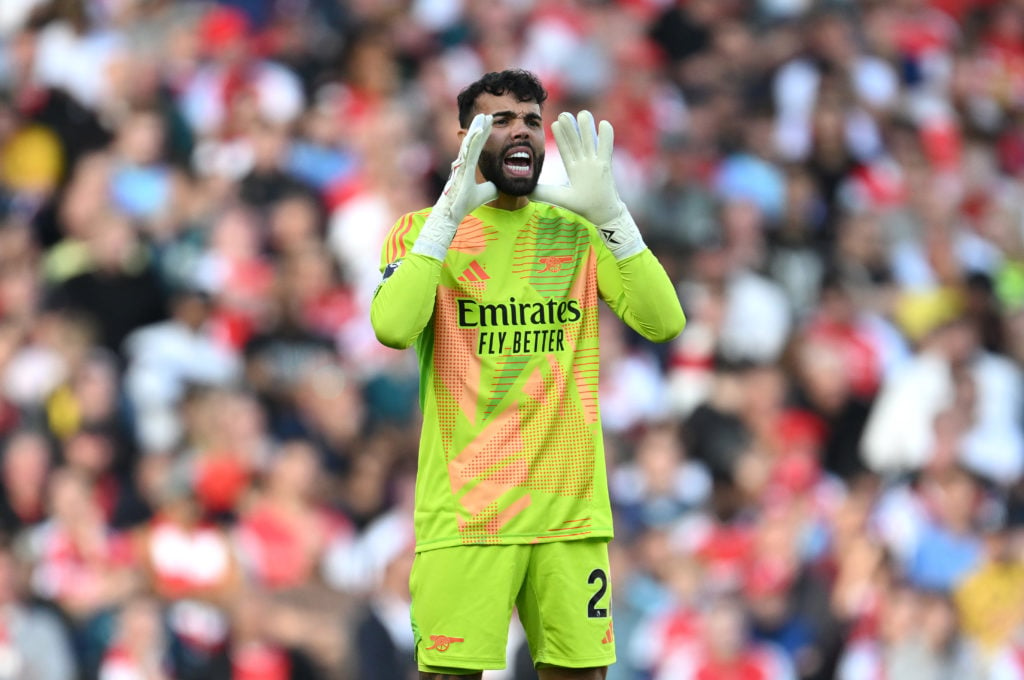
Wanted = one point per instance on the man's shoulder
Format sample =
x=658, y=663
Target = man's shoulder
x=403, y=234
x=415, y=216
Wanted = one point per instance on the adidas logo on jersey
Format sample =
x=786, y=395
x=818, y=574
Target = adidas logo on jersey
x=473, y=273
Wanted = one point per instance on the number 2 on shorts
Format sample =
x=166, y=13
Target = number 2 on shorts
x=593, y=611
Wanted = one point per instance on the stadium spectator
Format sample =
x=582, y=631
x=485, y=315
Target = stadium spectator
x=35, y=641
x=139, y=649
x=192, y=198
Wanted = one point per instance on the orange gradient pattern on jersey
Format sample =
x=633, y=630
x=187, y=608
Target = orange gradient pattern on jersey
x=506, y=515
x=471, y=236
x=457, y=367
x=585, y=370
x=494, y=486
x=497, y=442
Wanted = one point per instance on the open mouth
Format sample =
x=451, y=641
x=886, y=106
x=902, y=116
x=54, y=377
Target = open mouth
x=518, y=163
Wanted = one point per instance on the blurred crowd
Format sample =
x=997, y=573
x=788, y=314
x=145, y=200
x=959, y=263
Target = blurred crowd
x=206, y=459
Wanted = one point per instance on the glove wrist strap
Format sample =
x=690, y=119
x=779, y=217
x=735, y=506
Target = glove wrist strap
x=435, y=237
x=622, y=236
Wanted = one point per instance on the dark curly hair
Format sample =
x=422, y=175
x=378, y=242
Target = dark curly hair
x=520, y=83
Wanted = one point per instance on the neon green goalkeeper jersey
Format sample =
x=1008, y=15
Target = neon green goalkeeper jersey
x=506, y=332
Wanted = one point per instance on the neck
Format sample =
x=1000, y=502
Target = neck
x=509, y=202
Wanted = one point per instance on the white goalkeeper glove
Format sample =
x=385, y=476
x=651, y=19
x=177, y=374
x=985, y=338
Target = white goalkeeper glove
x=587, y=156
x=461, y=193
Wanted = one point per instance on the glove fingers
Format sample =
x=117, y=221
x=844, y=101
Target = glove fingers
x=558, y=131
x=566, y=137
x=588, y=135
x=605, y=141
x=476, y=137
x=469, y=151
x=478, y=122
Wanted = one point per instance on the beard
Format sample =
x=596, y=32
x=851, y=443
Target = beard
x=492, y=168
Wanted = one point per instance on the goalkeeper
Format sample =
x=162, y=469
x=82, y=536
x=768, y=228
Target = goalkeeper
x=498, y=287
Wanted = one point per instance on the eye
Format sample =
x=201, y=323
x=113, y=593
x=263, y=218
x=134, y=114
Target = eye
x=497, y=122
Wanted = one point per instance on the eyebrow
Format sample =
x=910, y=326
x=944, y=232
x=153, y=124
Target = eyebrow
x=512, y=114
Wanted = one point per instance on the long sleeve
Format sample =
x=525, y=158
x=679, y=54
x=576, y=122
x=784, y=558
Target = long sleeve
x=641, y=293
x=404, y=301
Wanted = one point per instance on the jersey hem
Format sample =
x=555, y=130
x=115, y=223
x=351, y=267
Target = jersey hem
x=515, y=539
x=588, y=662
x=455, y=663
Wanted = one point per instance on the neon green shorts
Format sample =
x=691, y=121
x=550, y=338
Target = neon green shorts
x=463, y=597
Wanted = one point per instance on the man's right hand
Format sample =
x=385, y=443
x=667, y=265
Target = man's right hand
x=586, y=152
x=462, y=194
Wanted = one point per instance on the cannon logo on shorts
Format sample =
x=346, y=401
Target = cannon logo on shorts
x=443, y=642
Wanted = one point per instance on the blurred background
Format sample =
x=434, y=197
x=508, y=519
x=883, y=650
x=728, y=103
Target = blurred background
x=206, y=459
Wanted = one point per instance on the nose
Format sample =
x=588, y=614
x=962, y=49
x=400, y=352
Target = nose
x=520, y=130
